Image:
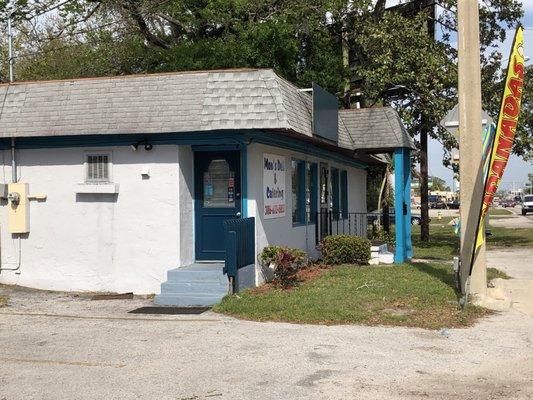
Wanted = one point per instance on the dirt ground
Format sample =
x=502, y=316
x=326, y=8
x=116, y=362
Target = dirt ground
x=60, y=346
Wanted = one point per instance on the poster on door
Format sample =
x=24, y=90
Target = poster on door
x=274, y=170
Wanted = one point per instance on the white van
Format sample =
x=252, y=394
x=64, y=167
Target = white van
x=527, y=204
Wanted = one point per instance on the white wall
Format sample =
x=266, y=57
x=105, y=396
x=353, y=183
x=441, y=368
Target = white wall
x=280, y=231
x=186, y=202
x=97, y=242
x=128, y=242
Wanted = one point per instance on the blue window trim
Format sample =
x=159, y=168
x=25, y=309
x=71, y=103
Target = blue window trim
x=344, y=194
x=300, y=165
x=313, y=192
x=335, y=192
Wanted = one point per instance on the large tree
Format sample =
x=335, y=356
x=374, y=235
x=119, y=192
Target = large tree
x=390, y=56
x=399, y=51
x=289, y=36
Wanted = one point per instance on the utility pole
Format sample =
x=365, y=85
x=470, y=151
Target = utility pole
x=470, y=144
x=10, y=48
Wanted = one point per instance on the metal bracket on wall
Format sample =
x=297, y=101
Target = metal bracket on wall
x=38, y=197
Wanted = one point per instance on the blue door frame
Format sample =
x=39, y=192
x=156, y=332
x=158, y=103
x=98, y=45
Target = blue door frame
x=217, y=198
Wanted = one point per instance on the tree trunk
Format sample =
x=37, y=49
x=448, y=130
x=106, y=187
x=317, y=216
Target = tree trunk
x=424, y=206
x=386, y=218
x=386, y=211
x=346, y=97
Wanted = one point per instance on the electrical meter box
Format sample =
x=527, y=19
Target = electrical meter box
x=18, y=208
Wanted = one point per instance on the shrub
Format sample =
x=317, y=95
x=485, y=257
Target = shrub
x=380, y=235
x=345, y=249
x=286, y=268
x=286, y=262
x=269, y=255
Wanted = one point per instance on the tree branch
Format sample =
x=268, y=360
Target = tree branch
x=85, y=18
x=379, y=9
x=135, y=14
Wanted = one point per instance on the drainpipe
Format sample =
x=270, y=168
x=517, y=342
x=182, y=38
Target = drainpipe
x=14, y=179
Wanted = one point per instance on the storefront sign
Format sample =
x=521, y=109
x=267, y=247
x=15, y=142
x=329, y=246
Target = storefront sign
x=274, y=170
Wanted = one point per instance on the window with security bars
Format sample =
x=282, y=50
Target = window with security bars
x=97, y=168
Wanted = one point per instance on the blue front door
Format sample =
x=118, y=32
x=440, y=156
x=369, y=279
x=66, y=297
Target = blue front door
x=217, y=181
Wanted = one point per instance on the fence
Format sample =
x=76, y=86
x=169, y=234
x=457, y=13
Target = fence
x=338, y=223
x=240, y=245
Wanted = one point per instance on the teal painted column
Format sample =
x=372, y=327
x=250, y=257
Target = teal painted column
x=399, y=202
x=407, y=200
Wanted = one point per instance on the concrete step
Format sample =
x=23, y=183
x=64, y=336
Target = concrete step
x=194, y=287
x=200, y=284
x=188, y=300
x=184, y=274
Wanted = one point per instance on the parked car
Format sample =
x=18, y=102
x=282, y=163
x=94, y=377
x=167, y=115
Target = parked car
x=527, y=204
x=508, y=203
x=416, y=219
x=436, y=202
x=453, y=205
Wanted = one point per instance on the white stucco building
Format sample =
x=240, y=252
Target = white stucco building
x=110, y=183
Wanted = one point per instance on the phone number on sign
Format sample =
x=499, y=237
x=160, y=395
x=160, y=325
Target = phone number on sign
x=277, y=209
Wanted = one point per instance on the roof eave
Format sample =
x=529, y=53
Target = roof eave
x=363, y=158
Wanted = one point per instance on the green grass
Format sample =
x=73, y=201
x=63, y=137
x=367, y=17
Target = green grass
x=446, y=218
x=493, y=273
x=417, y=295
x=443, y=221
x=444, y=244
x=510, y=237
x=499, y=212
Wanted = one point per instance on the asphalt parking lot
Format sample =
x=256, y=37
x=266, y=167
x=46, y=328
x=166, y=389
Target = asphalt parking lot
x=62, y=346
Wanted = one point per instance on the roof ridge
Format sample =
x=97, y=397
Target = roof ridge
x=278, y=78
x=347, y=130
x=399, y=139
x=272, y=77
x=132, y=76
x=362, y=109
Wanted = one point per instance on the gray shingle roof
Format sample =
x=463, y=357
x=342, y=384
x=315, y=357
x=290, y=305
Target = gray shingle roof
x=373, y=129
x=163, y=103
x=180, y=102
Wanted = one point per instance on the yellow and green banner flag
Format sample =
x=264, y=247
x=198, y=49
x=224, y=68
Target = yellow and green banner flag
x=505, y=132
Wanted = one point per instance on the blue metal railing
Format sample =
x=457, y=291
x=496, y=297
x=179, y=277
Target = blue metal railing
x=342, y=223
x=240, y=245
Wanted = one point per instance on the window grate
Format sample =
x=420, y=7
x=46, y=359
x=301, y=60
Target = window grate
x=98, y=168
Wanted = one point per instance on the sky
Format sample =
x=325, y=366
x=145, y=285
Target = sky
x=517, y=170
